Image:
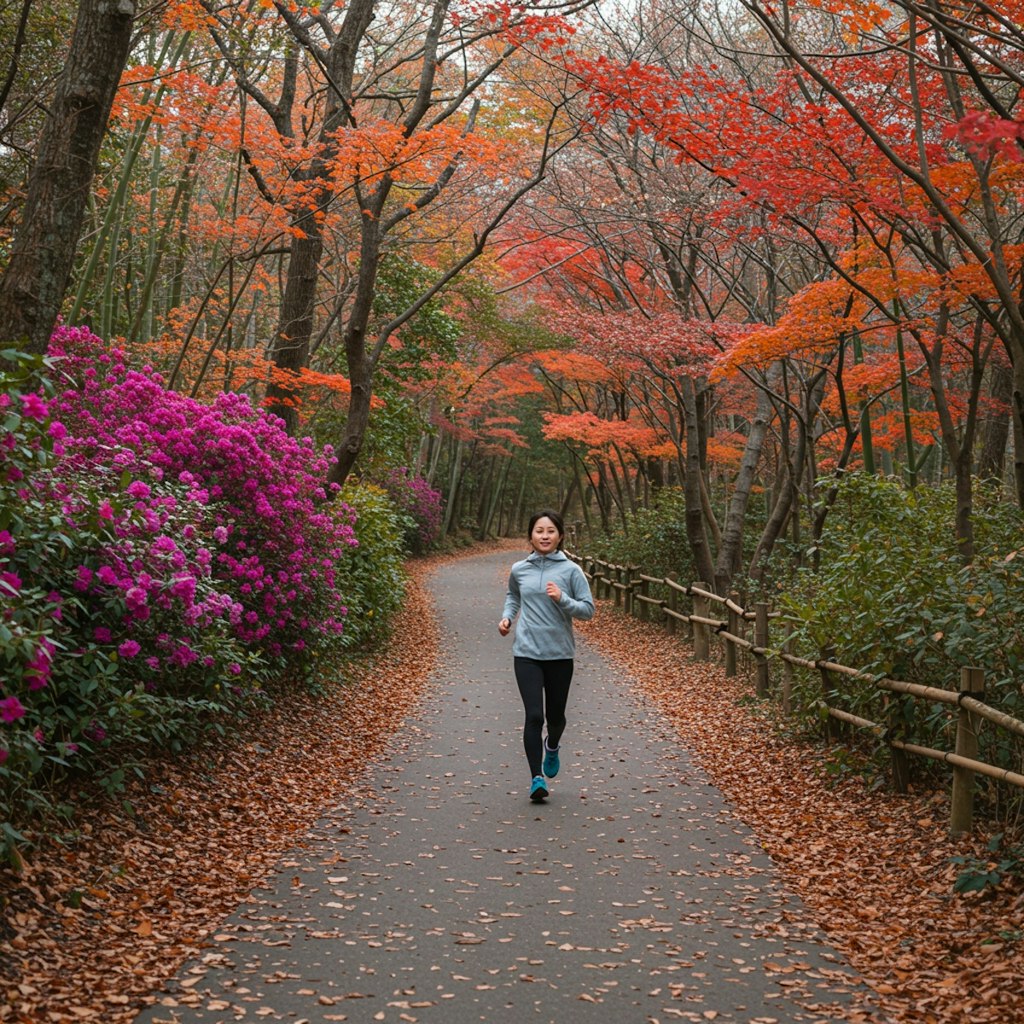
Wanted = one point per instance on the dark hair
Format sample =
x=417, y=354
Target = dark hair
x=554, y=517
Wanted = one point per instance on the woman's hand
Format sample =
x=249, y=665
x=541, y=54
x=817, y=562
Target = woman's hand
x=504, y=626
x=553, y=592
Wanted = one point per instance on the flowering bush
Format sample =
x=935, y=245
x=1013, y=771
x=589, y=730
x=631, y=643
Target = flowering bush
x=273, y=540
x=420, y=504
x=159, y=560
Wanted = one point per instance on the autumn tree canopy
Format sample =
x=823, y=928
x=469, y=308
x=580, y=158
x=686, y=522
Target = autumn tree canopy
x=740, y=251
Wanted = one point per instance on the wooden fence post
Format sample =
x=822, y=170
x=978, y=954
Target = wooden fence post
x=827, y=691
x=734, y=629
x=961, y=810
x=620, y=571
x=900, y=762
x=701, y=639
x=645, y=591
x=673, y=606
x=788, y=675
x=763, y=677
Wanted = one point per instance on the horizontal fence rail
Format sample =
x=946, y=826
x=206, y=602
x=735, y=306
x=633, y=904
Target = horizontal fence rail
x=711, y=615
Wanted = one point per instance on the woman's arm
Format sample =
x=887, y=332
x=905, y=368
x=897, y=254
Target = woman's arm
x=576, y=599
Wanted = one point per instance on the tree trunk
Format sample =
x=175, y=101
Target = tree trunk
x=695, y=530
x=295, y=324
x=992, y=458
x=360, y=359
x=42, y=256
x=730, y=553
x=1017, y=409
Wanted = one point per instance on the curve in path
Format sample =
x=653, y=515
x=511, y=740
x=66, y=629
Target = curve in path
x=440, y=894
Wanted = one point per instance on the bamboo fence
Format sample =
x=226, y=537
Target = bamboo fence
x=630, y=589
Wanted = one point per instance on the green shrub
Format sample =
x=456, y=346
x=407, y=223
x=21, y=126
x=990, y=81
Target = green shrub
x=655, y=539
x=372, y=575
x=892, y=597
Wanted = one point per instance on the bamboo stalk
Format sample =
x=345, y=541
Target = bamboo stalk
x=992, y=715
x=733, y=630
x=127, y=169
x=762, y=671
x=961, y=805
x=981, y=767
x=851, y=719
x=717, y=624
x=701, y=641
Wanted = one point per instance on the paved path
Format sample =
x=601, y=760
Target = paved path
x=633, y=895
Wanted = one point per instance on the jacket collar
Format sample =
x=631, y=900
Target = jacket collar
x=555, y=556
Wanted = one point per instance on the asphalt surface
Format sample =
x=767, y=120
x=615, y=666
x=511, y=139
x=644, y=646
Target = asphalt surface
x=436, y=892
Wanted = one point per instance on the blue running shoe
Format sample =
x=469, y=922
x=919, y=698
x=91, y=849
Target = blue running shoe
x=551, y=763
x=538, y=790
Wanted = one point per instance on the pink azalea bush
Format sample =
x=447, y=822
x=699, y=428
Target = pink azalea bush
x=160, y=560
x=420, y=504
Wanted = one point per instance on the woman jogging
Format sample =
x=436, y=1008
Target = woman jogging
x=547, y=591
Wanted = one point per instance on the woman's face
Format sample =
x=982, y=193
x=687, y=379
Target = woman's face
x=544, y=538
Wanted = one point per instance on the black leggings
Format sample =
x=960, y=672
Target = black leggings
x=544, y=687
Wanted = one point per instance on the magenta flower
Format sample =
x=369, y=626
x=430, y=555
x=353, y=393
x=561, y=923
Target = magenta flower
x=128, y=649
x=33, y=407
x=11, y=709
x=37, y=671
x=95, y=731
x=11, y=583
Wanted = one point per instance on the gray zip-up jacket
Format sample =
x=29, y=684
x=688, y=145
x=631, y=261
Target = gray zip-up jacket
x=544, y=630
